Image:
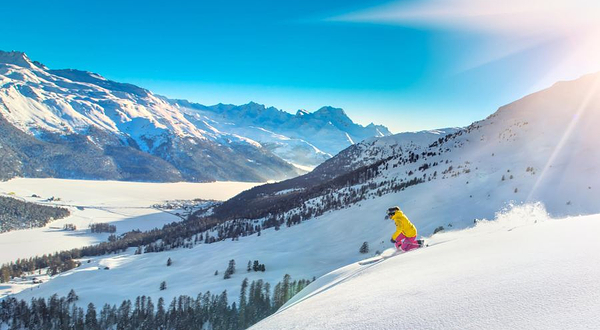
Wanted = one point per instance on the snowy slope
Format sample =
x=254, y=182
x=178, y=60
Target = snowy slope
x=507, y=274
x=540, y=148
x=375, y=149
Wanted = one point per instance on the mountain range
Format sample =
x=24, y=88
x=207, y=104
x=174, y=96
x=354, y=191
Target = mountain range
x=528, y=163
x=539, y=148
x=77, y=124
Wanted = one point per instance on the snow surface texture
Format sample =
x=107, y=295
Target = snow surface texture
x=522, y=271
x=124, y=204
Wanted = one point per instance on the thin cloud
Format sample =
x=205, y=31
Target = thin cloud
x=518, y=24
x=531, y=17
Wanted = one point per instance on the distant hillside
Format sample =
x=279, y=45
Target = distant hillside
x=305, y=138
x=16, y=214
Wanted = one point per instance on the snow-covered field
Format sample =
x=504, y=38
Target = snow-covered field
x=522, y=271
x=124, y=204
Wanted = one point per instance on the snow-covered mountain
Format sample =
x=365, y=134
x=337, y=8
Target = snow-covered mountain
x=305, y=139
x=534, y=159
x=77, y=124
x=540, y=148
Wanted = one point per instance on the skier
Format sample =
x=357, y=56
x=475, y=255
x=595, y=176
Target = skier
x=405, y=237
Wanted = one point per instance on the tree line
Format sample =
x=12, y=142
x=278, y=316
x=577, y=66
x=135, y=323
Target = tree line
x=17, y=214
x=103, y=227
x=212, y=311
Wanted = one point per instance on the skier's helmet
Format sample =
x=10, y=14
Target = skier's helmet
x=391, y=211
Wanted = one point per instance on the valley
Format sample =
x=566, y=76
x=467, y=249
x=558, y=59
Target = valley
x=127, y=205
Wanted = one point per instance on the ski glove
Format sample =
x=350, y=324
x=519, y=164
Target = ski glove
x=393, y=241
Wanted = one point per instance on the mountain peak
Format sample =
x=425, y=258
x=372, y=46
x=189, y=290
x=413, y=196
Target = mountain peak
x=19, y=59
x=329, y=110
x=255, y=105
x=335, y=115
x=301, y=113
x=15, y=58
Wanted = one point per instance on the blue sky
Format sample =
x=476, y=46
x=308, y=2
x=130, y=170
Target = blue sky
x=389, y=62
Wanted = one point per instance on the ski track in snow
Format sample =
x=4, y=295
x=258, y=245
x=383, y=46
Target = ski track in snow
x=505, y=274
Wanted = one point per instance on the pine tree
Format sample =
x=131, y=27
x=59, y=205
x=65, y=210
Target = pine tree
x=4, y=274
x=91, y=322
x=249, y=268
x=364, y=248
x=163, y=285
x=230, y=269
x=160, y=314
x=72, y=296
x=169, y=262
x=149, y=315
x=242, y=322
x=285, y=287
x=123, y=315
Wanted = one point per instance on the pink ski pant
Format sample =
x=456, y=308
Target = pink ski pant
x=406, y=243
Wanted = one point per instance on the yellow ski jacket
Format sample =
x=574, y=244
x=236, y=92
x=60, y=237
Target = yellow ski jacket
x=403, y=226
